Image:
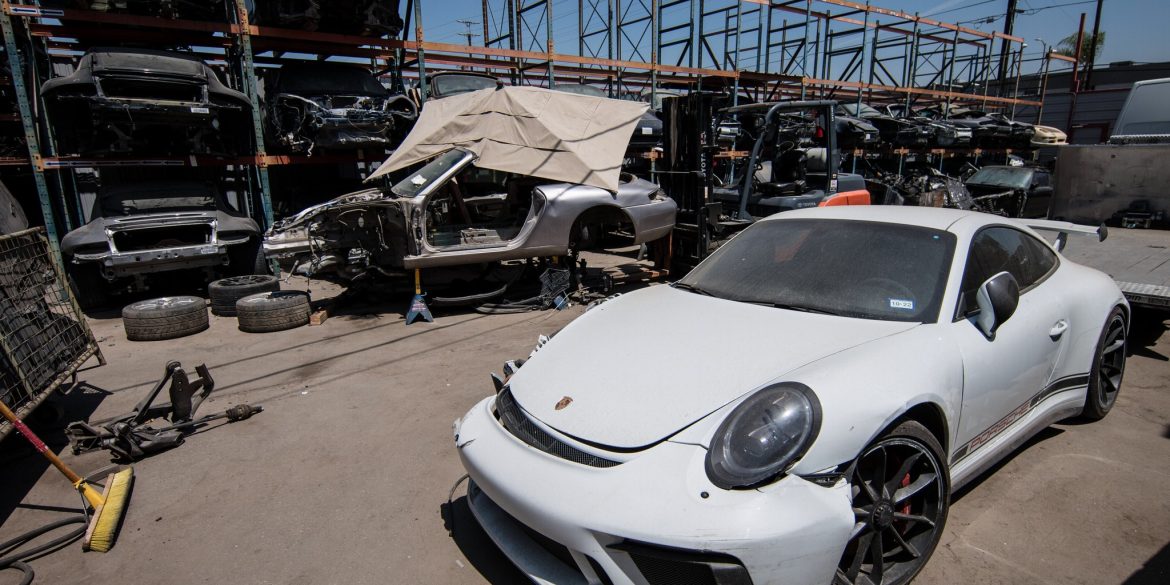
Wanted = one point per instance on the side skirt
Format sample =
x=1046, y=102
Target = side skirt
x=1062, y=399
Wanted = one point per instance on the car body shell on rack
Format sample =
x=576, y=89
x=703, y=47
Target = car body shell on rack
x=125, y=100
x=333, y=106
x=153, y=227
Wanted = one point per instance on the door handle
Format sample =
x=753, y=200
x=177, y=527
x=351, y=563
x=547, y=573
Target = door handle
x=1058, y=329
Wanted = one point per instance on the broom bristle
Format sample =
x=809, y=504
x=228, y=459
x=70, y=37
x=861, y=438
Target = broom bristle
x=107, y=517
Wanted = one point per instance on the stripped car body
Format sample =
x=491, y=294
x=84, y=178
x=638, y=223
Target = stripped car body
x=123, y=100
x=1015, y=191
x=865, y=331
x=893, y=130
x=511, y=172
x=943, y=133
x=171, y=9
x=451, y=212
x=336, y=106
x=360, y=17
x=145, y=228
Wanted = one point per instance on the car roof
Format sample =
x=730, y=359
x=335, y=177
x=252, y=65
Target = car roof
x=930, y=217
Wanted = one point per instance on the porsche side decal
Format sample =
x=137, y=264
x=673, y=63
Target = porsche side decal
x=1059, y=385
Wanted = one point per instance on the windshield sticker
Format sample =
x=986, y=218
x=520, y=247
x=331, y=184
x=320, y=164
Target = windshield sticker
x=418, y=180
x=905, y=304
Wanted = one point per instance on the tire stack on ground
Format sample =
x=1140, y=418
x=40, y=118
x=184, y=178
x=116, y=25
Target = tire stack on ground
x=273, y=311
x=226, y=291
x=164, y=318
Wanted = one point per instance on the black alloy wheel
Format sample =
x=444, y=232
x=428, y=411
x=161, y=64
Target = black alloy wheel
x=901, y=492
x=1108, y=368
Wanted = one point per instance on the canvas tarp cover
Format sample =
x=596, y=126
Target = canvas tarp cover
x=528, y=131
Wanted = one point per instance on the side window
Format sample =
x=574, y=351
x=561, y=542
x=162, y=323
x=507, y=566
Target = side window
x=997, y=249
x=1040, y=179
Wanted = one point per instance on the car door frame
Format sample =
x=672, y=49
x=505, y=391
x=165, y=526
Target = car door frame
x=1023, y=400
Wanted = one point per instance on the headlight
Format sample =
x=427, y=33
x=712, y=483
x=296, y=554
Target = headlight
x=763, y=436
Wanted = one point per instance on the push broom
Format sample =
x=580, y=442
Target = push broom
x=107, y=506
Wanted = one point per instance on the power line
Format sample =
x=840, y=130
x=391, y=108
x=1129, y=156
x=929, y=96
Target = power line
x=958, y=8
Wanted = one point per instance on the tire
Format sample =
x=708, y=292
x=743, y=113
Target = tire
x=247, y=259
x=226, y=291
x=164, y=318
x=273, y=311
x=894, y=523
x=1108, y=368
x=88, y=287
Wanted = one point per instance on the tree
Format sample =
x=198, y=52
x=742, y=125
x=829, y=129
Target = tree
x=1068, y=45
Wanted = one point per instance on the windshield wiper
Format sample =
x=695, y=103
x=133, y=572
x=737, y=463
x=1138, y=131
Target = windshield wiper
x=801, y=308
x=692, y=288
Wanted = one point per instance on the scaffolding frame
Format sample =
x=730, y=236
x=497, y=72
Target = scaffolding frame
x=774, y=49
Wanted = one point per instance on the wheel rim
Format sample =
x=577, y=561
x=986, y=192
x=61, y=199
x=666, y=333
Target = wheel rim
x=1111, y=364
x=244, y=280
x=898, y=508
x=167, y=302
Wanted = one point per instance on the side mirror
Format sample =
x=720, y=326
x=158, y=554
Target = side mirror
x=997, y=299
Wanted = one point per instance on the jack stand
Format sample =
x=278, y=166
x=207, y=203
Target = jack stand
x=418, y=304
x=130, y=437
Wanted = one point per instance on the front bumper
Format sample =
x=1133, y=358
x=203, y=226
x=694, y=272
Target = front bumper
x=792, y=531
x=120, y=264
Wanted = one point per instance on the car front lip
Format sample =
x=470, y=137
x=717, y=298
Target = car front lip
x=792, y=531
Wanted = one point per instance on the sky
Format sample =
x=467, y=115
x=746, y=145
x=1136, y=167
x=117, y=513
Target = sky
x=1137, y=30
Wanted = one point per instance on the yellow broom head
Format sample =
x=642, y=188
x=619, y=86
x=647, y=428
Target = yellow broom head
x=103, y=528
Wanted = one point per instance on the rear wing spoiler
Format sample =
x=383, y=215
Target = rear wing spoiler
x=1064, y=228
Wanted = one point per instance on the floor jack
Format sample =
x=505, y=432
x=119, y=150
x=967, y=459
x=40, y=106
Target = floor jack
x=129, y=437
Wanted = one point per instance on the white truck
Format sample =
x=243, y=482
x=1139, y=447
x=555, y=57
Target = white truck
x=1125, y=182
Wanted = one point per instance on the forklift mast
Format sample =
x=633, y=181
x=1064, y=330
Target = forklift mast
x=824, y=115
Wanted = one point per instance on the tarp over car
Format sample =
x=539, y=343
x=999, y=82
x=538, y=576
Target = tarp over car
x=528, y=131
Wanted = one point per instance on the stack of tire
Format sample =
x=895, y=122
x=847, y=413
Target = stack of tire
x=226, y=291
x=255, y=300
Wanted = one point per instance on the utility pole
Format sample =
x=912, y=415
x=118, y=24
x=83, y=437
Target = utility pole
x=1009, y=24
x=1092, y=57
x=468, y=35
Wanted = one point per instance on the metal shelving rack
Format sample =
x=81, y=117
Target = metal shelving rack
x=62, y=34
x=766, y=49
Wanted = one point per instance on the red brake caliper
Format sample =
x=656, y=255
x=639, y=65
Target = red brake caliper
x=905, y=482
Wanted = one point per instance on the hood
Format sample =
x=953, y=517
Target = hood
x=644, y=366
x=147, y=61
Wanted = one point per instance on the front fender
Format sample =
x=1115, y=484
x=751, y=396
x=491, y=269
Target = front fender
x=864, y=390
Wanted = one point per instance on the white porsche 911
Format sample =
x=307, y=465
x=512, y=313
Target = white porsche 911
x=798, y=408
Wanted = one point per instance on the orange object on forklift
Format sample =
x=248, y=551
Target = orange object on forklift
x=859, y=197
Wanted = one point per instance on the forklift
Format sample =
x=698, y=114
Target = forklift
x=793, y=164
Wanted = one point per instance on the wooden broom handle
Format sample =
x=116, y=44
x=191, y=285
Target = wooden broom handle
x=38, y=444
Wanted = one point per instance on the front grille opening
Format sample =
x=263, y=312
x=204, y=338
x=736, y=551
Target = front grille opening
x=168, y=237
x=152, y=90
x=605, y=580
x=556, y=549
x=668, y=566
x=516, y=422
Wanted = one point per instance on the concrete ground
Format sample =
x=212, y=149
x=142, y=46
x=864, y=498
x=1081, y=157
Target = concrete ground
x=344, y=477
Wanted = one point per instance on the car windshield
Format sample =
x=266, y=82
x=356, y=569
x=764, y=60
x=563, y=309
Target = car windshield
x=449, y=85
x=418, y=180
x=862, y=111
x=340, y=80
x=580, y=89
x=860, y=269
x=152, y=198
x=1007, y=177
